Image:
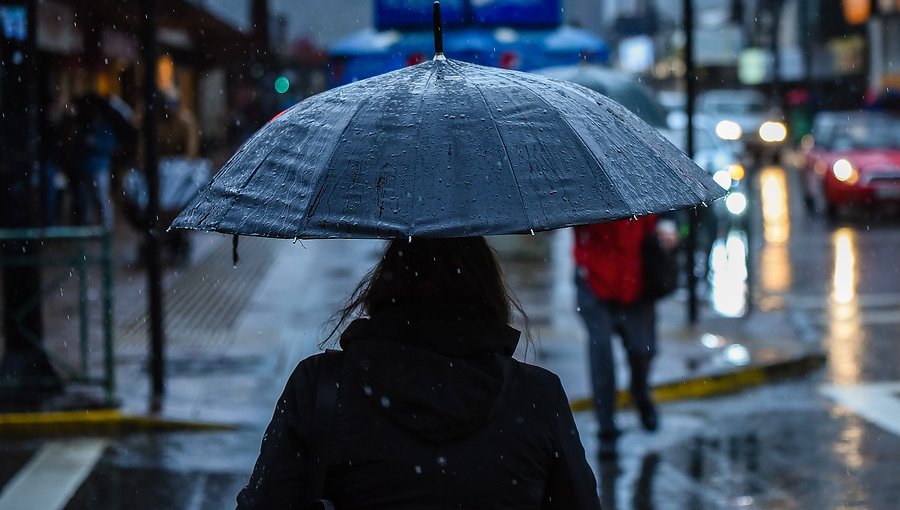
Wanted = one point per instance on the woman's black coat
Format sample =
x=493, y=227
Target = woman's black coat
x=432, y=412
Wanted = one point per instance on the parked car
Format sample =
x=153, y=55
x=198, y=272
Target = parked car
x=851, y=158
x=744, y=115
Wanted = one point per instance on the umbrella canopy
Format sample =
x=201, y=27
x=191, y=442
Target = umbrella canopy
x=617, y=86
x=446, y=149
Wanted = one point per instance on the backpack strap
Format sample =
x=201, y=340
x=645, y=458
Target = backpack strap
x=327, y=384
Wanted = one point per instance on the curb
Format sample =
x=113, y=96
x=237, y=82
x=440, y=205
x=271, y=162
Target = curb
x=720, y=384
x=96, y=421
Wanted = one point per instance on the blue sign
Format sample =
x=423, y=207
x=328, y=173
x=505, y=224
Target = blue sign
x=517, y=13
x=418, y=14
x=399, y=14
x=14, y=20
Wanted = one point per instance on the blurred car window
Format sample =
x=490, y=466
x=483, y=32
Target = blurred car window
x=857, y=130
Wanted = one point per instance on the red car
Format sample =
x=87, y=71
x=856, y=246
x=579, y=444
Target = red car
x=852, y=159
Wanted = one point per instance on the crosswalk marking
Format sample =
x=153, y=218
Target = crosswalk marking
x=877, y=402
x=52, y=476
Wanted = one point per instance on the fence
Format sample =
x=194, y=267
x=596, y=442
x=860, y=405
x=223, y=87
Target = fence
x=69, y=256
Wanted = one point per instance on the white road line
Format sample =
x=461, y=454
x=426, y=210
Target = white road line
x=52, y=476
x=878, y=402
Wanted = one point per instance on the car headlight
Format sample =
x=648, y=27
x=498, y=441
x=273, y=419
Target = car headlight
x=844, y=171
x=773, y=132
x=729, y=130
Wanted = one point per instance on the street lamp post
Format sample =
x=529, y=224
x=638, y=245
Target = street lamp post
x=690, y=92
x=151, y=166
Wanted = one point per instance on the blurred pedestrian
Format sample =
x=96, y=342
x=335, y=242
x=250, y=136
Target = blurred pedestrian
x=179, y=144
x=612, y=300
x=427, y=407
x=178, y=147
x=94, y=145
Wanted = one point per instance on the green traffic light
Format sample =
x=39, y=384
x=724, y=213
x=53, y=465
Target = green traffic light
x=282, y=85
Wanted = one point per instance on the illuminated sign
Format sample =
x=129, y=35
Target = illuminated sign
x=409, y=14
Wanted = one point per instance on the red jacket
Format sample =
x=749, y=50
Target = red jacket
x=608, y=256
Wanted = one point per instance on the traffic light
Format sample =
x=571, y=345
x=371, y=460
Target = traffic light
x=282, y=84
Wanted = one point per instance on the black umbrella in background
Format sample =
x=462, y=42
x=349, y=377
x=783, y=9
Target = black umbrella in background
x=446, y=149
x=615, y=85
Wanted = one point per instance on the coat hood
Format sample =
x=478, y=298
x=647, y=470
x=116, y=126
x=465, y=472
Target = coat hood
x=436, y=374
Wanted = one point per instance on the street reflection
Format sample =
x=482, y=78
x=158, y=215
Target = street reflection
x=641, y=493
x=775, y=267
x=845, y=338
x=728, y=274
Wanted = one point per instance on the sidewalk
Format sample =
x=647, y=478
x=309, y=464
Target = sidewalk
x=234, y=335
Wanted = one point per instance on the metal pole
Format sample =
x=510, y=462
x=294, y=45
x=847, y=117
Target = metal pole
x=690, y=91
x=151, y=163
x=777, y=96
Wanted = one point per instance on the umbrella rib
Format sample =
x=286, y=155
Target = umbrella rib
x=577, y=134
x=508, y=159
x=237, y=192
x=419, y=131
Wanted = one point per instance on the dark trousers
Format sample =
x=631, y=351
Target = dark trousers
x=636, y=325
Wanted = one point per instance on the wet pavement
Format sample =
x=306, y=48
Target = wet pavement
x=781, y=446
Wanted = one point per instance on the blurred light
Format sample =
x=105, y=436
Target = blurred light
x=712, y=341
x=722, y=178
x=506, y=35
x=844, y=281
x=415, y=58
x=282, y=84
x=165, y=73
x=857, y=11
x=807, y=142
x=509, y=60
x=737, y=354
x=844, y=171
x=728, y=275
x=774, y=262
x=736, y=203
x=736, y=171
x=846, y=339
x=729, y=130
x=773, y=132
x=774, y=198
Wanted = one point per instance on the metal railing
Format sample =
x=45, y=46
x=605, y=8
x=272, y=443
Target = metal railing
x=70, y=253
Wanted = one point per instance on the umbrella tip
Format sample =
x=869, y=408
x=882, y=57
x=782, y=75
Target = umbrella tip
x=438, y=33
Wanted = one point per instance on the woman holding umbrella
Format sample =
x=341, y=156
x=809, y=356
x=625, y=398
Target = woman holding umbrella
x=425, y=407
x=431, y=408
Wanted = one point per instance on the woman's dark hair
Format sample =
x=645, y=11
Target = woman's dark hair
x=457, y=274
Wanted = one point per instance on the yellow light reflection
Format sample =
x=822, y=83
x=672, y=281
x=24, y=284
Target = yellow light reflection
x=845, y=334
x=844, y=280
x=775, y=266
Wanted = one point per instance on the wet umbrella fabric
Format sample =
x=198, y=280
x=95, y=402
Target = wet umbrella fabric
x=446, y=149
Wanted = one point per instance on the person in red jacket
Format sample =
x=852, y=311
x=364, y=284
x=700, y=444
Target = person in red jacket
x=609, y=284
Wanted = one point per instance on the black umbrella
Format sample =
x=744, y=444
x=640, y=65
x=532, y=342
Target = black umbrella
x=446, y=149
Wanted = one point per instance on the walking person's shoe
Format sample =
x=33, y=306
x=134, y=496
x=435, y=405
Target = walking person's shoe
x=647, y=413
x=606, y=448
